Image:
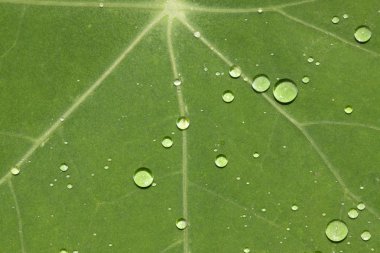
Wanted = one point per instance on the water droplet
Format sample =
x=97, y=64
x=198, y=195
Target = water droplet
x=348, y=109
x=336, y=231
x=310, y=59
x=353, y=213
x=362, y=34
x=63, y=167
x=235, y=71
x=63, y=251
x=15, y=171
x=261, y=83
x=197, y=34
x=69, y=186
x=366, y=235
x=221, y=161
x=256, y=155
x=143, y=177
x=335, y=20
x=285, y=91
x=305, y=79
x=167, y=142
x=181, y=223
x=246, y=250
x=361, y=206
x=259, y=10
x=228, y=96
x=294, y=207
x=101, y=5
x=177, y=82
x=345, y=16
x=183, y=123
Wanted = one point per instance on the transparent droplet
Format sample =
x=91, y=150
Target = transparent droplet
x=353, y=213
x=285, y=91
x=259, y=10
x=15, y=171
x=181, y=224
x=167, y=142
x=256, y=155
x=366, y=235
x=63, y=167
x=348, y=109
x=246, y=250
x=310, y=59
x=221, y=161
x=143, y=177
x=69, y=186
x=63, y=251
x=183, y=123
x=335, y=20
x=305, y=79
x=235, y=71
x=362, y=34
x=197, y=34
x=336, y=231
x=261, y=83
x=101, y=5
x=361, y=206
x=177, y=82
x=294, y=207
x=228, y=96
x=345, y=16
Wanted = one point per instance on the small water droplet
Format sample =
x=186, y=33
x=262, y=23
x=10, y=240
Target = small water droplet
x=181, y=223
x=101, y=5
x=197, y=34
x=353, y=213
x=361, y=206
x=310, y=59
x=63, y=251
x=246, y=250
x=221, y=161
x=335, y=20
x=177, y=82
x=366, y=235
x=259, y=10
x=143, y=177
x=261, y=83
x=305, y=79
x=69, y=186
x=235, y=71
x=336, y=231
x=294, y=207
x=285, y=91
x=345, y=16
x=228, y=96
x=167, y=142
x=256, y=155
x=362, y=34
x=183, y=123
x=348, y=109
x=15, y=171
x=63, y=167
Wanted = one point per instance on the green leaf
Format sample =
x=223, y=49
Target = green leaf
x=88, y=93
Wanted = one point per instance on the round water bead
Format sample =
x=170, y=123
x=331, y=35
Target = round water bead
x=353, y=213
x=63, y=167
x=167, y=142
x=246, y=250
x=181, y=223
x=177, y=82
x=348, y=109
x=335, y=20
x=361, y=206
x=183, y=123
x=261, y=83
x=305, y=79
x=15, y=171
x=221, y=161
x=362, y=34
x=143, y=177
x=366, y=235
x=285, y=91
x=235, y=71
x=228, y=96
x=336, y=231
x=294, y=207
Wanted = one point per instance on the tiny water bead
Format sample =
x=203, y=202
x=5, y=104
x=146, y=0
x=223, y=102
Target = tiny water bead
x=183, y=123
x=15, y=171
x=348, y=109
x=366, y=235
x=305, y=79
x=181, y=223
x=353, y=213
x=361, y=206
x=261, y=83
x=345, y=16
x=310, y=59
x=197, y=34
x=294, y=207
x=177, y=82
x=336, y=231
x=285, y=91
x=143, y=177
x=63, y=251
x=246, y=250
x=63, y=167
x=335, y=20
x=235, y=71
x=256, y=155
x=362, y=34
x=221, y=161
x=167, y=142
x=228, y=96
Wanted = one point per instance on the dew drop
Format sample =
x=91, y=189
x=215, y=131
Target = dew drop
x=221, y=161
x=336, y=231
x=143, y=177
x=285, y=91
x=305, y=79
x=353, y=213
x=183, y=123
x=362, y=34
x=15, y=171
x=310, y=59
x=366, y=235
x=197, y=34
x=348, y=109
x=181, y=223
x=259, y=10
x=361, y=206
x=345, y=16
x=294, y=207
x=335, y=20
x=69, y=186
x=63, y=167
x=167, y=142
x=177, y=82
x=101, y=5
x=246, y=250
x=235, y=71
x=256, y=155
x=228, y=96
x=261, y=83
x=63, y=251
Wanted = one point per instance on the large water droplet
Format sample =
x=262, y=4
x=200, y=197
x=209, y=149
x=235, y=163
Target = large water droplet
x=261, y=83
x=228, y=96
x=143, y=177
x=167, y=142
x=361, y=206
x=335, y=20
x=181, y=223
x=221, y=161
x=63, y=167
x=15, y=171
x=336, y=231
x=363, y=34
x=366, y=235
x=235, y=71
x=183, y=123
x=353, y=213
x=285, y=91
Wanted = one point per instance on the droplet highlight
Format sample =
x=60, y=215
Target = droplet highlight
x=143, y=177
x=228, y=96
x=336, y=231
x=183, y=123
x=363, y=34
x=221, y=161
x=261, y=83
x=285, y=91
x=235, y=71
